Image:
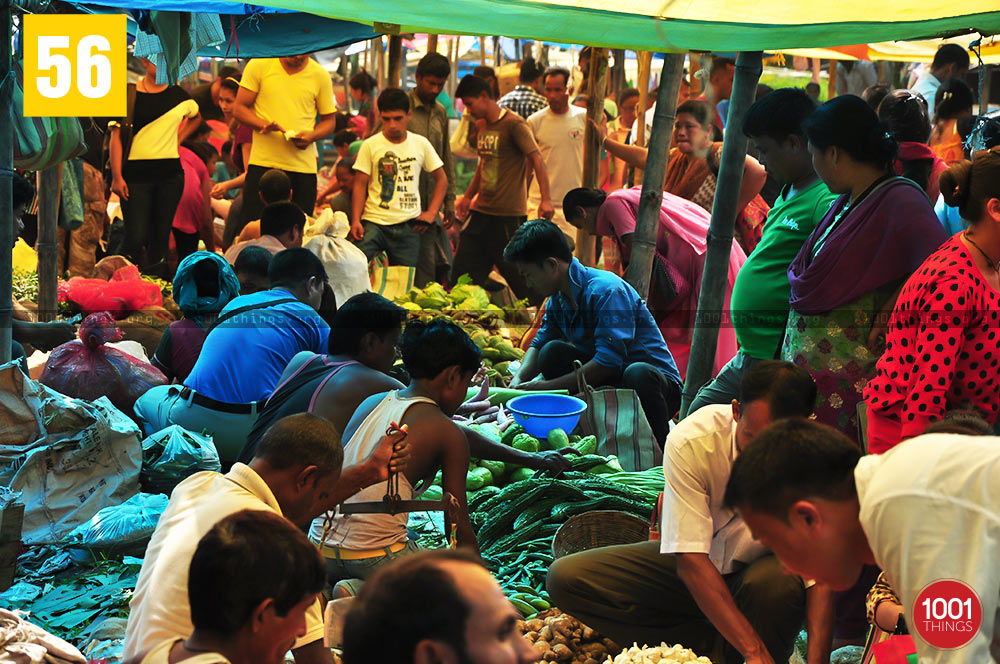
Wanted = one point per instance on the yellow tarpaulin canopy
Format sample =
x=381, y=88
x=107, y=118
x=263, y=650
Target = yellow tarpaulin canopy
x=905, y=51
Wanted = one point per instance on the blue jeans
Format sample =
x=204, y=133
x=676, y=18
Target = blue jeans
x=400, y=241
x=163, y=405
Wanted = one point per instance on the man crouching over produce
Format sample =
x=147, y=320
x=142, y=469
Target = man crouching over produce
x=434, y=607
x=707, y=577
x=251, y=581
x=295, y=473
x=597, y=318
x=441, y=360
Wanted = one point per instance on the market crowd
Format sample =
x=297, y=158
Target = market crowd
x=842, y=457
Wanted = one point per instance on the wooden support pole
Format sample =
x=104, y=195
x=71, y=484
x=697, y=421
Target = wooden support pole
x=883, y=74
x=645, y=59
x=617, y=72
x=49, y=182
x=497, y=54
x=6, y=187
x=432, y=43
x=693, y=80
x=647, y=223
x=482, y=50
x=598, y=75
x=711, y=300
x=395, y=61
x=379, y=55
x=831, y=87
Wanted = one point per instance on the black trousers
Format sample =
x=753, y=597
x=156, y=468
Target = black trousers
x=632, y=593
x=149, y=217
x=660, y=397
x=186, y=243
x=481, y=248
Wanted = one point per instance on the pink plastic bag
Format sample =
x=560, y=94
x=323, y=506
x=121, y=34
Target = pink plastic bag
x=126, y=292
x=86, y=369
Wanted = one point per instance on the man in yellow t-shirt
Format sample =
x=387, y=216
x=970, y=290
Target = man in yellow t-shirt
x=279, y=99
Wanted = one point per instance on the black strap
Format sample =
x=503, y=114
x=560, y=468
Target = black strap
x=250, y=307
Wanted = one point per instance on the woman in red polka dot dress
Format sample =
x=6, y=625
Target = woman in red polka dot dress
x=943, y=347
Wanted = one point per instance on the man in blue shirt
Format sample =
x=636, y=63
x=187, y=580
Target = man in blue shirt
x=244, y=354
x=597, y=318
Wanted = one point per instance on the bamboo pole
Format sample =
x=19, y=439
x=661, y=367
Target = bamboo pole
x=395, y=67
x=432, y=43
x=648, y=217
x=453, y=57
x=831, y=86
x=49, y=183
x=497, y=54
x=6, y=190
x=482, y=50
x=711, y=299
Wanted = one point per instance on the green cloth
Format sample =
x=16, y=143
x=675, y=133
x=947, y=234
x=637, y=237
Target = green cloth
x=354, y=147
x=445, y=101
x=759, y=303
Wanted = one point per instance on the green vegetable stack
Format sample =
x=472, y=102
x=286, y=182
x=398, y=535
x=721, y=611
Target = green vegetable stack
x=469, y=306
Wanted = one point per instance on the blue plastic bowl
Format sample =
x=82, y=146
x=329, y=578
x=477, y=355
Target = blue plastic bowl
x=541, y=413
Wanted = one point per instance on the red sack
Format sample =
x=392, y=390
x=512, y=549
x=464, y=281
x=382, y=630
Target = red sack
x=85, y=369
x=125, y=293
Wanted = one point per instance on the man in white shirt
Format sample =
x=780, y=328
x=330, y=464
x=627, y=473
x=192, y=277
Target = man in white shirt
x=707, y=583
x=926, y=510
x=950, y=61
x=854, y=77
x=387, y=214
x=559, y=129
x=296, y=473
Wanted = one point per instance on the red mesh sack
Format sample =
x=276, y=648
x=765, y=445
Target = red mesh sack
x=126, y=292
x=86, y=369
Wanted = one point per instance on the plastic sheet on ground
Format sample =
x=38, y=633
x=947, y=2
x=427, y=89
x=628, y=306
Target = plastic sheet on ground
x=27, y=643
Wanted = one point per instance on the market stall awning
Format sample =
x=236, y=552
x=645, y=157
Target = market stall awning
x=260, y=32
x=654, y=25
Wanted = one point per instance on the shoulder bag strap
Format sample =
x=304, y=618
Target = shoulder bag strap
x=250, y=307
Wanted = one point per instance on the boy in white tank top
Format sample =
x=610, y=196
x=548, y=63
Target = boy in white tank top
x=441, y=360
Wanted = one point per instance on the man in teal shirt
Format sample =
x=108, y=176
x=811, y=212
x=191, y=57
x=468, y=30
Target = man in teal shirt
x=759, y=304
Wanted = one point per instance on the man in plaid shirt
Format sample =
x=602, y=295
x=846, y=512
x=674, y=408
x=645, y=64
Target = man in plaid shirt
x=526, y=99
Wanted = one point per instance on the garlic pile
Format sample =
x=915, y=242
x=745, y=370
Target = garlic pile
x=661, y=654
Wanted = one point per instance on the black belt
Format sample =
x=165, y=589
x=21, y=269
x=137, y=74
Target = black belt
x=221, y=406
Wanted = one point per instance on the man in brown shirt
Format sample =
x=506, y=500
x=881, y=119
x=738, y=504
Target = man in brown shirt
x=505, y=144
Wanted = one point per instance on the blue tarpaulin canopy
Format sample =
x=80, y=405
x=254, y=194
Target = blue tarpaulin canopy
x=261, y=32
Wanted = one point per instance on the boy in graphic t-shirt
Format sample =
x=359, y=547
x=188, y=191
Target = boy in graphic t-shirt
x=498, y=194
x=386, y=211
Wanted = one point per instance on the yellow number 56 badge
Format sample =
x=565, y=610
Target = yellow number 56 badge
x=74, y=65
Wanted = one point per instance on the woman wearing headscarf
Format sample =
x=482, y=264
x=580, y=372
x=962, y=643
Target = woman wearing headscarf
x=203, y=285
x=845, y=279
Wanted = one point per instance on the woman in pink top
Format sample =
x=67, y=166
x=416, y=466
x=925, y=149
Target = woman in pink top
x=677, y=266
x=193, y=219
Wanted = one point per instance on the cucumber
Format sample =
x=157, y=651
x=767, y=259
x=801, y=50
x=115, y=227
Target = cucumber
x=540, y=604
x=523, y=607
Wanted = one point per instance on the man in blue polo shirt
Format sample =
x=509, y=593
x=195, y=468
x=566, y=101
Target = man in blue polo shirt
x=244, y=354
x=597, y=318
